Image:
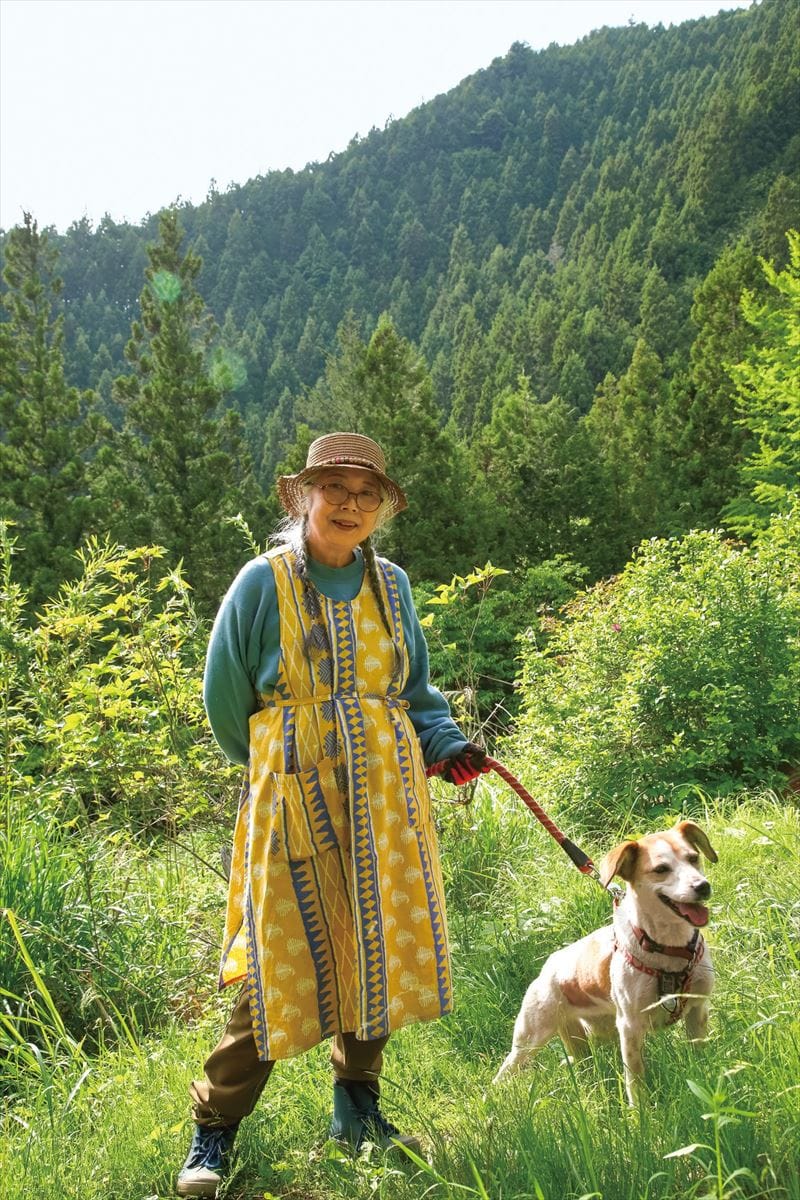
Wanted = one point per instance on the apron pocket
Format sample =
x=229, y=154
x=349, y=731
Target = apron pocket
x=308, y=812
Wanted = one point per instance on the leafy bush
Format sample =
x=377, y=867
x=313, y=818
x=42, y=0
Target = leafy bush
x=683, y=673
x=102, y=694
x=105, y=749
x=473, y=628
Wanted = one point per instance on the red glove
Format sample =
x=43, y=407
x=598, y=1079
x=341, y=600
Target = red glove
x=468, y=764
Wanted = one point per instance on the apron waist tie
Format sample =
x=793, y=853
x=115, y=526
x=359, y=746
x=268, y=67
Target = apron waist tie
x=279, y=702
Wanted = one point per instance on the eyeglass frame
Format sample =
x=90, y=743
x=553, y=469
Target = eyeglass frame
x=335, y=483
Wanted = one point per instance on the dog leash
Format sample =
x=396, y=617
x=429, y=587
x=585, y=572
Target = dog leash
x=573, y=852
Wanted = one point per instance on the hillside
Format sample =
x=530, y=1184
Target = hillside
x=494, y=222
x=557, y=248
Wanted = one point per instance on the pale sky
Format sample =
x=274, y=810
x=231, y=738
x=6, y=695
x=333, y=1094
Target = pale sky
x=121, y=106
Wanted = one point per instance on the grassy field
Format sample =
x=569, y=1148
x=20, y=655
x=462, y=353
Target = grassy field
x=110, y=1120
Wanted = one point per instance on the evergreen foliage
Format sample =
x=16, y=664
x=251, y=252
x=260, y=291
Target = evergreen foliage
x=176, y=473
x=626, y=432
x=768, y=390
x=528, y=288
x=47, y=427
x=505, y=226
x=537, y=462
x=382, y=389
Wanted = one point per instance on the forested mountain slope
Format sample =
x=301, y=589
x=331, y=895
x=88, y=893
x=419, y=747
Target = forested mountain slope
x=538, y=273
x=536, y=217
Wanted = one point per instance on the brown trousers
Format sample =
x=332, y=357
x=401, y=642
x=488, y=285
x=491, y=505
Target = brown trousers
x=235, y=1076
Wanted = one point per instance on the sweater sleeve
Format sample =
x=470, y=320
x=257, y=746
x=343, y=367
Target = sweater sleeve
x=246, y=624
x=429, y=711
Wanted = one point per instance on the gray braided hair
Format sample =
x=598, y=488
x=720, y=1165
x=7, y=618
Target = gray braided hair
x=371, y=565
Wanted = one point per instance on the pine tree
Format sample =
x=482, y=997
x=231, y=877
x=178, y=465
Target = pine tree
x=383, y=389
x=768, y=396
x=707, y=442
x=47, y=429
x=624, y=426
x=441, y=531
x=176, y=474
x=537, y=468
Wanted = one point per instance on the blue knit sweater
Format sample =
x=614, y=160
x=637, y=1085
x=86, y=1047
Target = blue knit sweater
x=244, y=655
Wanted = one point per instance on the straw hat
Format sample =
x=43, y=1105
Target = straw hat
x=339, y=450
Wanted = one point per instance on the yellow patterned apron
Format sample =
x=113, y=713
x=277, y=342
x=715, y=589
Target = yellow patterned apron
x=335, y=913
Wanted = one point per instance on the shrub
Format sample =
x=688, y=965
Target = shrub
x=683, y=673
x=473, y=628
x=105, y=749
x=102, y=694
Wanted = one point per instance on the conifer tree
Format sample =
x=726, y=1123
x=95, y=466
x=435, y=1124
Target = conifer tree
x=625, y=428
x=707, y=442
x=537, y=467
x=441, y=530
x=768, y=395
x=176, y=474
x=47, y=429
x=383, y=389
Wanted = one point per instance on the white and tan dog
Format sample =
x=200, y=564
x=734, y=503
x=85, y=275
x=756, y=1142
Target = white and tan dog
x=641, y=973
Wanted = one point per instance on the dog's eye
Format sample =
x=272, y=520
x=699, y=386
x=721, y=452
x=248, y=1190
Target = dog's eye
x=693, y=859
x=662, y=869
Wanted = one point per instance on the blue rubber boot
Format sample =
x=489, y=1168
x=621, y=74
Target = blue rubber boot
x=357, y=1119
x=206, y=1161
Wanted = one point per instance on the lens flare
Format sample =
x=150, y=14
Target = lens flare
x=166, y=286
x=228, y=370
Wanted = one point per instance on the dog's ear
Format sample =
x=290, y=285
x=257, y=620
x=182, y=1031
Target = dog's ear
x=619, y=861
x=695, y=836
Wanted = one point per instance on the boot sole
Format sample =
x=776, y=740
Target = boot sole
x=200, y=1189
x=408, y=1143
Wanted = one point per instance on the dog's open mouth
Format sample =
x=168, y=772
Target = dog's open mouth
x=695, y=914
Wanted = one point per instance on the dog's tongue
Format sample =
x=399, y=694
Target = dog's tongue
x=694, y=913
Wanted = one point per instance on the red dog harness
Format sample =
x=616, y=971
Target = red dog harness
x=672, y=985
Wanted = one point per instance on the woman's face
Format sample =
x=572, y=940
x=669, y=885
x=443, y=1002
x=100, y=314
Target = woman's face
x=335, y=529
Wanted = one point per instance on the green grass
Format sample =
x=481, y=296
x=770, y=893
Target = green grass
x=721, y=1122
x=118, y=934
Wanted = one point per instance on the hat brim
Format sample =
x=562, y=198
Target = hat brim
x=291, y=492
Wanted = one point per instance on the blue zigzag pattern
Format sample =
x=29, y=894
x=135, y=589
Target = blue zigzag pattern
x=245, y=798
x=322, y=832
x=255, y=990
x=405, y=763
x=371, y=966
x=345, y=646
x=400, y=674
x=437, y=926
x=403, y=749
x=298, y=673
x=393, y=596
x=289, y=753
x=307, y=891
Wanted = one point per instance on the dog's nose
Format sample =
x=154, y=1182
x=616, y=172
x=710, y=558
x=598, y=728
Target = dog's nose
x=703, y=889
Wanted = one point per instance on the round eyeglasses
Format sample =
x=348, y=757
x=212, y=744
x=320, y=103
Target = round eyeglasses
x=336, y=493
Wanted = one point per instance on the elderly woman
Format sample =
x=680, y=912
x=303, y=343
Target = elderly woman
x=317, y=678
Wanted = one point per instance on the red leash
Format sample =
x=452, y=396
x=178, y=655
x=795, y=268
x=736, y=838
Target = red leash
x=573, y=852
